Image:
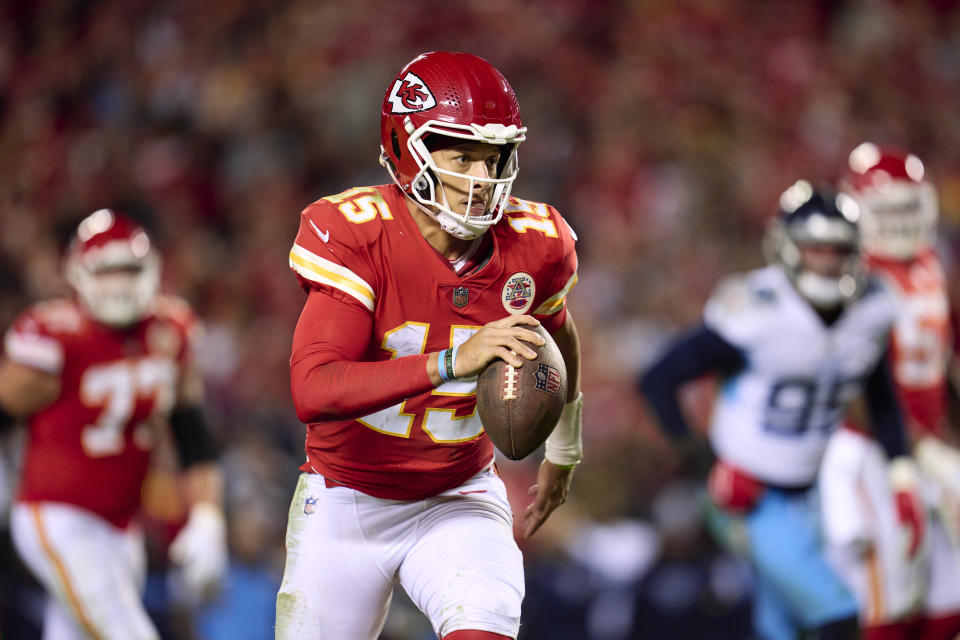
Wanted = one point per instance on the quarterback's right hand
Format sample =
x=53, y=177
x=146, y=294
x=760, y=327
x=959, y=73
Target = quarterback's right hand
x=505, y=338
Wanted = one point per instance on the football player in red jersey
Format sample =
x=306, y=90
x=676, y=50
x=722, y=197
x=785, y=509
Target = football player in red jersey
x=93, y=377
x=413, y=287
x=906, y=572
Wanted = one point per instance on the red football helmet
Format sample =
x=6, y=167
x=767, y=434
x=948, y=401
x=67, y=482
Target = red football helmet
x=898, y=207
x=455, y=95
x=113, y=267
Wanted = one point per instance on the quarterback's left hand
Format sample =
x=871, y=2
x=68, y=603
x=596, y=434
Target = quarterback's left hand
x=201, y=549
x=553, y=483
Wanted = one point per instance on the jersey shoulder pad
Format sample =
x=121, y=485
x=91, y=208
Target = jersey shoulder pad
x=538, y=230
x=39, y=335
x=537, y=233
x=61, y=316
x=739, y=302
x=355, y=217
x=741, y=292
x=337, y=239
x=321, y=224
x=525, y=216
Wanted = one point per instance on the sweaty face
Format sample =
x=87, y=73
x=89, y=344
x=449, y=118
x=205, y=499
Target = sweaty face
x=463, y=195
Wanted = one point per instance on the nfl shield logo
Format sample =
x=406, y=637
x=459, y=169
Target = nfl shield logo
x=461, y=296
x=548, y=379
x=309, y=505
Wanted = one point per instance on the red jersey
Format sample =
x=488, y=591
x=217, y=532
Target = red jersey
x=363, y=247
x=91, y=446
x=921, y=338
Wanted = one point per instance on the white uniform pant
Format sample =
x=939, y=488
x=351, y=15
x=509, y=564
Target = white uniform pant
x=943, y=590
x=92, y=571
x=858, y=505
x=454, y=554
x=865, y=541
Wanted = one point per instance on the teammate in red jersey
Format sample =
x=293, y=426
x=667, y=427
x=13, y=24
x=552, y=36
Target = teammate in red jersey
x=413, y=287
x=94, y=377
x=907, y=575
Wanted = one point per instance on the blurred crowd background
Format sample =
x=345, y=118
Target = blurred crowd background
x=663, y=130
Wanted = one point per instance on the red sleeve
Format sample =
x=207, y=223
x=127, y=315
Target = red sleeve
x=328, y=381
x=552, y=312
x=30, y=341
x=332, y=255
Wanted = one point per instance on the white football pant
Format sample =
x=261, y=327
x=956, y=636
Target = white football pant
x=865, y=541
x=943, y=592
x=454, y=554
x=92, y=571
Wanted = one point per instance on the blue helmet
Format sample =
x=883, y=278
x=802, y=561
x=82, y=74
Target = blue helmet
x=817, y=217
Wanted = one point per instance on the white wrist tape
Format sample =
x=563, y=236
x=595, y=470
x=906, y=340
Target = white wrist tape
x=903, y=474
x=565, y=446
x=939, y=460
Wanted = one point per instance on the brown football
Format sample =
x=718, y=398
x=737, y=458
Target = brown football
x=519, y=407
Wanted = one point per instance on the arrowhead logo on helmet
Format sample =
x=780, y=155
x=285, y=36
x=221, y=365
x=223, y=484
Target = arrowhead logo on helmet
x=410, y=94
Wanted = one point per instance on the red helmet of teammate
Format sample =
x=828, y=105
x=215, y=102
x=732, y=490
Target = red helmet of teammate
x=112, y=265
x=898, y=207
x=453, y=95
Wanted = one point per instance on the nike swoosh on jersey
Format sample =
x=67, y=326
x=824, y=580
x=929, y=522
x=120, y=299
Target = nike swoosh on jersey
x=323, y=235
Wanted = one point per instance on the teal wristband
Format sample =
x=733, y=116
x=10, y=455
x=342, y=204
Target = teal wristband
x=442, y=360
x=448, y=363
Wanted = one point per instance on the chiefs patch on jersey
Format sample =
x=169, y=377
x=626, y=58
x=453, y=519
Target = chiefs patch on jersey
x=518, y=292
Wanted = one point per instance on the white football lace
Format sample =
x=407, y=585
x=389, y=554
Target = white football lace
x=510, y=383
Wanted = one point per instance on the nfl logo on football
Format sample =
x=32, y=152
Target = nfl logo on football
x=309, y=505
x=548, y=379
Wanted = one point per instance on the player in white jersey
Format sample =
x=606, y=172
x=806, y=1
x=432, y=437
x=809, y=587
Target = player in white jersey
x=907, y=579
x=796, y=344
